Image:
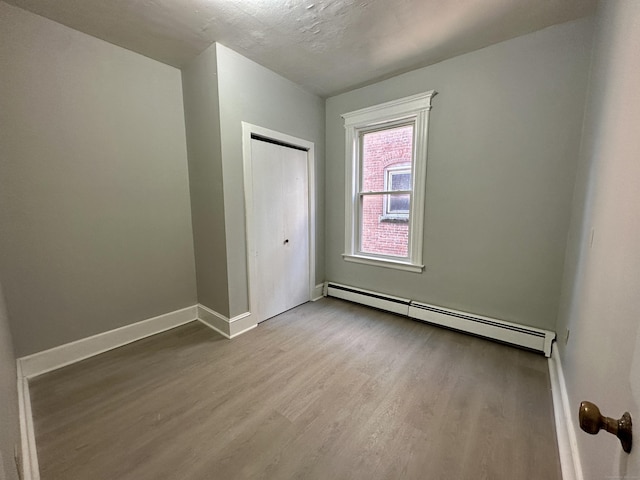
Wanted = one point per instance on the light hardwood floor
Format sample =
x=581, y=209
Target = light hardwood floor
x=329, y=390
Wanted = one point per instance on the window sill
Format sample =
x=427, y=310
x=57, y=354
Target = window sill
x=393, y=219
x=383, y=262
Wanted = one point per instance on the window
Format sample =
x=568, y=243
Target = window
x=396, y=206
x=386, y=161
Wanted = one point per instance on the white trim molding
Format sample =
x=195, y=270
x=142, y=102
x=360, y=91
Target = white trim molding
x=318, y=292
x=63, y=355
x=241, y=324
x=29, y=454
x=42, y=362
x=227, y=327
x=213, y=320
x=565, y=429
x=394, y=110
x=383, y=262
x=67, y=354
x=249, y=130
x=57, y=357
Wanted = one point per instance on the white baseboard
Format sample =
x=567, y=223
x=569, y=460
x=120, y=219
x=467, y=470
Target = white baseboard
x=57, y=357
x=240, y=324
x=48, y=360
x=29, y=455
x=565, y=430
x=214, y=320
x=244, y=330
x=227, y=327
x=63, y=355
x=318, y=292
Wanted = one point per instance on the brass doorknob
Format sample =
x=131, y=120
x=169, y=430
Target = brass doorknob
x=591, y=421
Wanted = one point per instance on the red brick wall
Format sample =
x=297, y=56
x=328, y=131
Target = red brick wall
x=381, y=150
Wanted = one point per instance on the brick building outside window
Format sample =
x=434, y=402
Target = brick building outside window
x=386, y=164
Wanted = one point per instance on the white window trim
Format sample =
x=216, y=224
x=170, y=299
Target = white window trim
x=409, y=109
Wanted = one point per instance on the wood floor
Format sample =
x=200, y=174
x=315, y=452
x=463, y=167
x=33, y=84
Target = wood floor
x=329, y=390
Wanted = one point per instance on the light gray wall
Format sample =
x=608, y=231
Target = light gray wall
x=9, y=427
x=202, y=118
x=503, y=145
x=601, y=290
x=254, y=94
x=94, y=198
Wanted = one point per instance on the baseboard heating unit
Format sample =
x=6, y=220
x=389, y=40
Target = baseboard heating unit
x=512, y=333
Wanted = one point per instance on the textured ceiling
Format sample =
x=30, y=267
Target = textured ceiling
x=326, y=46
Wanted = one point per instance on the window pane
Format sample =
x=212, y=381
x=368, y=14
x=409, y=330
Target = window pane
x=400, y=181
x=380, y=235
x=382, y=149
x=398, y=204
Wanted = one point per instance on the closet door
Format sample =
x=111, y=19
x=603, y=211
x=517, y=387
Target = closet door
x=281, y=222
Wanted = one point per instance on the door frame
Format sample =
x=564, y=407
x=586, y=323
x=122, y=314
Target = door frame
x=248, y=130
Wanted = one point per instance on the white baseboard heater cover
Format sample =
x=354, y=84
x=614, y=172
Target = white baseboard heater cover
x=372, y=299
x=499, y=330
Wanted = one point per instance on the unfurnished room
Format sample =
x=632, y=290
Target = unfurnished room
x=323, y=239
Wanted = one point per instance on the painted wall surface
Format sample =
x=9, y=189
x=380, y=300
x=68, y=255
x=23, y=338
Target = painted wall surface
x=503, y=145
x=601, y=291
x=94, y=196
x=202, y=119
x=9, y=427
x=251, y=93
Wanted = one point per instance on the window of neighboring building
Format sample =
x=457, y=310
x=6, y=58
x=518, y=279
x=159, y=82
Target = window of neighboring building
x=386, y=171
x=396, y=206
